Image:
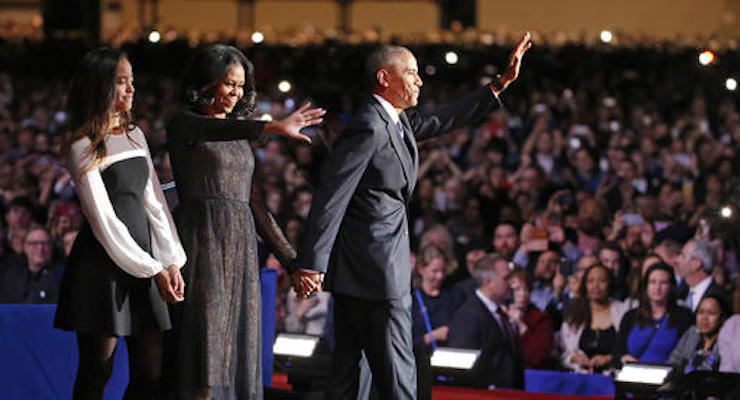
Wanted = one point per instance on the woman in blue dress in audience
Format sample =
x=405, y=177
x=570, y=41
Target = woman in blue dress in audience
x=650, y=332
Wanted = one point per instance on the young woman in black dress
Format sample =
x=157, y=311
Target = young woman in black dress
x=215, y=341
x=125, y=261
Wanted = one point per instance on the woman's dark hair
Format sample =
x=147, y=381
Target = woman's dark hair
x=91, y=99
x=211, y=63
x=579, y=314
x=724, y=307
x=645, y=310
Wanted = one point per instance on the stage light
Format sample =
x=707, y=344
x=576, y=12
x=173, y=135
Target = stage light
x=154, y=36
x=643, y=373
x=294, y=345
x=706, y=57
x=284, y=86
x=430, y=70
x=606, y=36
x=447, y=357
x=725, y=212
x=266, y=117
x=451, y=58
x=731, y=84
x=258, y=37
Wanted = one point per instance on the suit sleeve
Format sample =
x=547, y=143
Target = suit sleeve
x=469, y=109
x=463, y=333
x=340, y=176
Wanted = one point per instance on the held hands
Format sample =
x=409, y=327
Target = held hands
x=291, y=125
x=515, y=60
x=170, y=284
x=307, y=282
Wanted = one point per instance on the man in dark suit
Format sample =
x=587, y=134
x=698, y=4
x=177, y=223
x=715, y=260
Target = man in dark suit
x=357, y=229
x=695, y=264
x=481, y=323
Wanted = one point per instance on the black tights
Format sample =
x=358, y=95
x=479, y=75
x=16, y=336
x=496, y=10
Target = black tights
x=96, y=365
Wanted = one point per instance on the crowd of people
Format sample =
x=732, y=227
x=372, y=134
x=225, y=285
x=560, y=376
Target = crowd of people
x=595, y=214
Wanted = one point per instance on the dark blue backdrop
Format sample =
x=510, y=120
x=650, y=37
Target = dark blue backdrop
x=39, y=362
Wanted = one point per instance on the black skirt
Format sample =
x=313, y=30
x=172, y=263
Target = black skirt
x=98, y=297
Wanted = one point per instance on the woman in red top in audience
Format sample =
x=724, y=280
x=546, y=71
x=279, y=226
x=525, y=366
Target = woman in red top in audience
x=534, y=326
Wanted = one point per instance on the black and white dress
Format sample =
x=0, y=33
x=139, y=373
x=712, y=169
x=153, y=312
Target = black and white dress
x=128, y=237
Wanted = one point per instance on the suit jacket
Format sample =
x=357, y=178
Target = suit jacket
x=357, y=229
x=716, y=290
x=500, y=363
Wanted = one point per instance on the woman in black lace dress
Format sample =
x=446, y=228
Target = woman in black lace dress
x=216, y=343
x=125, y=261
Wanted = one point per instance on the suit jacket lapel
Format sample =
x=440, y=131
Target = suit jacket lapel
x=409, y=134
x=501, y=335
x=399, y=147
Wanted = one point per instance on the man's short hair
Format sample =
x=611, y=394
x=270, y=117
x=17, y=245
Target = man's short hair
x=706, y=253
x=381, y=57
x=485, y=268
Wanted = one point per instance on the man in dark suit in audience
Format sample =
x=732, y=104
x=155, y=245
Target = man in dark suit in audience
x=481, y=323
x=695, y=264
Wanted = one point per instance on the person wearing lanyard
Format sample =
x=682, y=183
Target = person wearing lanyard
x=697, y=349
x=431, y=313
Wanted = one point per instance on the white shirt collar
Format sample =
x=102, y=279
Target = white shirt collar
x=389, y=109
x=490, y=305
x=698, y=292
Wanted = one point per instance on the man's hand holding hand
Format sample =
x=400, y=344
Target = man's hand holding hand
x=307, y=282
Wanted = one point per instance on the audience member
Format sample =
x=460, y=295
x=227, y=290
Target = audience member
x=482, y=323
x=534, y=327
x=698, y=348
x=31, y=281
x=650, y=332
x=431, y=313
x=588, y=334
x=728, y=349
x=696, y=262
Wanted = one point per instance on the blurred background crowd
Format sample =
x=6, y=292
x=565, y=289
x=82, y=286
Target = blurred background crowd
x=608, y=185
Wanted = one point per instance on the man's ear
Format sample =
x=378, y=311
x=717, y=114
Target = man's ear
x=382, y=77
x=697, y=264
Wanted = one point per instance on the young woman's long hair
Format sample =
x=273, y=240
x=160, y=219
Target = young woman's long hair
x=579, y=313
x=645, y=310
x=211, y=63
x=91, y=100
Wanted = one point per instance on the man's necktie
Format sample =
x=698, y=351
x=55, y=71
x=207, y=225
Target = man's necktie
x=399, y=126
x=504, y=319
